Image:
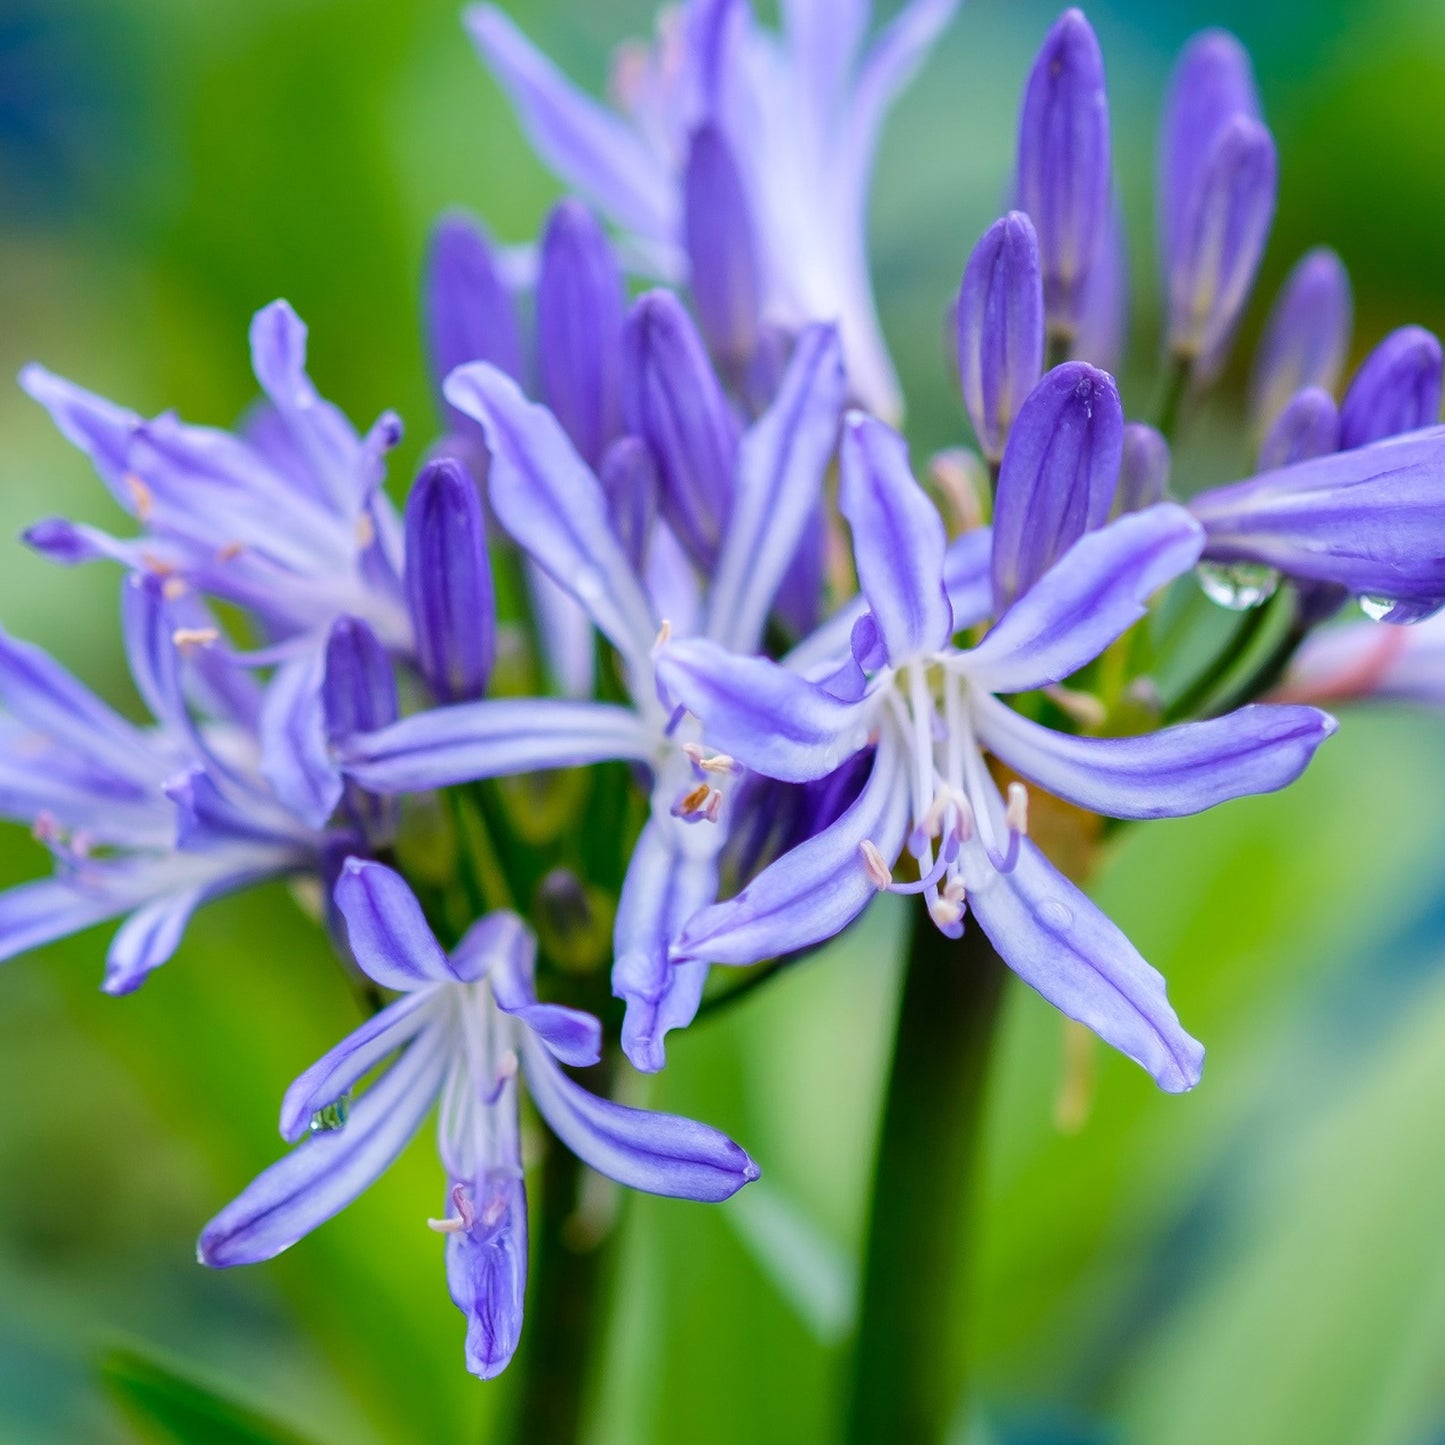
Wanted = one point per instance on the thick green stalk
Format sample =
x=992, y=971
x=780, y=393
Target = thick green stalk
x=563, y=1333
x=911, y=1367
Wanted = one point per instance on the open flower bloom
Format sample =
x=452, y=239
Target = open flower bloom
x=149, y=822
x=929, y=709
x=556, y=509
x=767, y=140
x=464, y=1028
x=286, y=519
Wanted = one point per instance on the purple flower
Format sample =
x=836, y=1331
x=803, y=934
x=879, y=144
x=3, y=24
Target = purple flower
x=557, y=510
x=1306, y=337
x=928, y=709
x=1360, y=661
x=286, y=519
x=1143, y=468
x=144, y=822
x=1217, y=189
x=1370, y=520
x=1308, y=426
x=1000, y=329
x=464, y=1029
x=1063, y=177
x=796, y=116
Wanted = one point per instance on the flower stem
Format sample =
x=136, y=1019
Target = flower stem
x=911, y=1365
x=565, y=1297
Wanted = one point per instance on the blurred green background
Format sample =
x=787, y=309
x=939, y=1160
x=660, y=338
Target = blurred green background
x=1260, y=1261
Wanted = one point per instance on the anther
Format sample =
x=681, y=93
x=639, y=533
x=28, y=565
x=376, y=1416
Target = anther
x=1017, y=816
x=460, y=1222
x=714, y=807
x=693, y=802
x=230, y=551
x=879, y=873
x=365, y=531
x=141, y=495
x=945, y=912
x=709, y=762
x=174, y=588
x=1083, y=707
x=187, y=638
x=664, y=634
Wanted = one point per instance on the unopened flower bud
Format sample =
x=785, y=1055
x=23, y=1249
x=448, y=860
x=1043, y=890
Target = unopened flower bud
x=1143, y=468
x=1059, y=472
x=1308, y=427
x=1063, y=178
x=721, y=249
x=1396, y=389
x=1000, y=328
x=580, y=302
x=448, y=582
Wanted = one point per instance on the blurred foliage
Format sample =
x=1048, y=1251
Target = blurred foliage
x=1257, y=1262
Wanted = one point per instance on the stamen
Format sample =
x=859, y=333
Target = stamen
x=664, y=635
x=141, y=495
x=174, y=588
x=1085, y=709
x=230, y=551
x=714, y=807
x=189, y=638
x=365, y=531
x=709, y=763
x=879, y=873
x=944, y=912
x=460, y=1222
x=692, y=802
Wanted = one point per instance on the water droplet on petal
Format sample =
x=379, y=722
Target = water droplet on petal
x=331, y=1117
x=1058, y=917
x=1398, y=611
x=1238, y=586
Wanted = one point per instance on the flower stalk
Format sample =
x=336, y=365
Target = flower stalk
x=912, y=1366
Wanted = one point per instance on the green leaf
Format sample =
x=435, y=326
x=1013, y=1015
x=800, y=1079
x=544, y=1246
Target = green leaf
x=168, y=1409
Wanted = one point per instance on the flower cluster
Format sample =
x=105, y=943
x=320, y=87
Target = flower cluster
x=604, y=692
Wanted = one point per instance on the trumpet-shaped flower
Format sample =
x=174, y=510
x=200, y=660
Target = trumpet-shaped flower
x=928, y=709
x=465, y=1029
x=736, y=157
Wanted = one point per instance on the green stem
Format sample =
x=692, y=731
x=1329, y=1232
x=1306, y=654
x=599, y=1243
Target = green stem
x=1251, y=624
x=564, y=1327
x=910, y=1368
x=1174, y=390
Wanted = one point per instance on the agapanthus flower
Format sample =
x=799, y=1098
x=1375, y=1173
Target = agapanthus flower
x=558, y=511
x=1363, y=662
x=735, y=159
x=465, y=1030
x=928, y=709
x=149, y=822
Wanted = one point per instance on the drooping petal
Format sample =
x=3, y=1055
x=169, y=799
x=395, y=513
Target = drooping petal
x=1306, y=337
x=661, y=1153
x=1308, y=426
x=337, y=1071
x=718, y=231
x=149, y=938
x=781, y=470
x=759, y=712
x=487, y=1272
x=1059, y=943
x=818, y=888
x=100, y=428
x=673, y=400
x=34, y=914
x=553, y=506
x=1167, y=774
x=389, y=936
x=324, y=1173
x=1063, y=178
x=1093, y=594
x=1058, y=477
x=593, y=150
x=448, y=581
x=1371, y=520
x=898, y=540
x=493, y=739
x=670, y=876
x=579, y=303
x=1397, y=389
x=1000, y=328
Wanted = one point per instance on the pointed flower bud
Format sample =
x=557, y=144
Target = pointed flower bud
x=470, y=312
x=1059, y=472
x=721, y=248
x=449, y=582
x=1063, y=164
x=629, y=480
x=580, y=302
x=672, y=400
x=359, y=695
x=1396, y=389
x=1305, y=338
x=1000, y=321
x=1143, y=468
x=1308, y=427
x=1220, y=244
